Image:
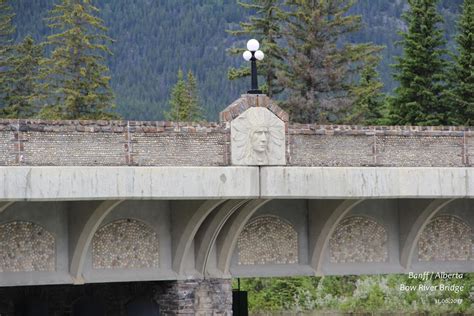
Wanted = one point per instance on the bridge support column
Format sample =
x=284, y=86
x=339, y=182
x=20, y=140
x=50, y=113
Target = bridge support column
x=197, y=297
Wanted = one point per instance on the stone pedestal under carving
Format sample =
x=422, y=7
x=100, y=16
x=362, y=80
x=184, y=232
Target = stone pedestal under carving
x=197, y=297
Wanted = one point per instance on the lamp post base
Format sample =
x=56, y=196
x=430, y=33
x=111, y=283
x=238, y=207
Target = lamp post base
x=254, y=91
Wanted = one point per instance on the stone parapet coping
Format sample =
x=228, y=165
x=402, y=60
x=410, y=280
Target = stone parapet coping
x=102, y=126
x=314, y=129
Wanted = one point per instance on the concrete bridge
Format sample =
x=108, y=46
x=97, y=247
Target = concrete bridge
x=197, y=204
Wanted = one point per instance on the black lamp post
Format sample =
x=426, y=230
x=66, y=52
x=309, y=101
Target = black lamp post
x=253, y=54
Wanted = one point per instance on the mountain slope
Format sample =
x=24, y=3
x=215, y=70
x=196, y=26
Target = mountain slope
x=154, y=38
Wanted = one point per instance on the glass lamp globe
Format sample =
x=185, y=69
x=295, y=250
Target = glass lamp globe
x=247, y=55
x=253, y=45
x=259, y=55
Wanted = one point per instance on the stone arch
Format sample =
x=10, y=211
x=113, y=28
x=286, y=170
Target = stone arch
x=232, y=230
x=211, y=229
x=445, y=238
x=89, y=306
x=268, y=239
x=338, y=209
x=5, y=205
x=189, y=232
x=125, y=244
x=26, y=247
x=87, y=231
x=358, y=239
x=417, y=228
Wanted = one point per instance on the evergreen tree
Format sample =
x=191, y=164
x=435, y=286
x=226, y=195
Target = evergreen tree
x=321, y=70
x=22, y=78
x=75, y=75
x=421, y=69
x=6, y=27
x=369, y=107
x=6, y=32
x=266, y=26
x=195, y=109
x=184, y=102
x=461, y=92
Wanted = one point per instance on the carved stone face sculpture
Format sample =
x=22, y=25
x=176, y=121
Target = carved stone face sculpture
x=258, y=138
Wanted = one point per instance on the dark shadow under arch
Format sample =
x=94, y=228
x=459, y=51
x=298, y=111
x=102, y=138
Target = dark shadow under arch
x=89, y=306
x=142, y=307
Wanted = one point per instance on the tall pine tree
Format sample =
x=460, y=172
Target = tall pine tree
x=184, y=102
x=421, y=69
x=76, y=74
x=321, y=70
x=6, y=32
x=369, y=104
x=266, y=26
x=195, y=109
x=22, y=80
x=6, y=27
x=461, y=76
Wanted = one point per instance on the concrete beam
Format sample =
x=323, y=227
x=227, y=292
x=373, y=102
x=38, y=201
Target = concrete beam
x=366, y=182
x=104, y=183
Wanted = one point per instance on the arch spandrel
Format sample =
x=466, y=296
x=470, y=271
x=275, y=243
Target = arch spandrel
x=268, y=239
x=26, y=247
x=359, y=239
x=125, y=244
x=445, y=238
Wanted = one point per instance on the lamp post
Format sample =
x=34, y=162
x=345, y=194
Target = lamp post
x=253, y=54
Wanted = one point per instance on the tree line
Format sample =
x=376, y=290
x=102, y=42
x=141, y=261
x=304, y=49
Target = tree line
x=311, y=67
x=319, y=77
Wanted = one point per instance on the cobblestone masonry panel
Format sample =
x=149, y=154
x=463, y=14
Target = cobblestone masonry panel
x=446, y=238
x=26, y=247
x=359, y=239
x=73, y=149
x=333, y=151
x=470, y=150
x=125, y=244
x=6, y=148
x=415, y=151
x=268, y=240
x=171, y=149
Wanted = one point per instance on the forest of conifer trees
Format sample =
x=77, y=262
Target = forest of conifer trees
x=132, y=52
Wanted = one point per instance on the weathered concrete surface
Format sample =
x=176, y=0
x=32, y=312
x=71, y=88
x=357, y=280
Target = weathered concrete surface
x=366, y=182
x=92, y=183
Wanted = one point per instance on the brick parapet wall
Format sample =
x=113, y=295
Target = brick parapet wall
x=38, y=142
x=393, y=146
x=161, y=143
